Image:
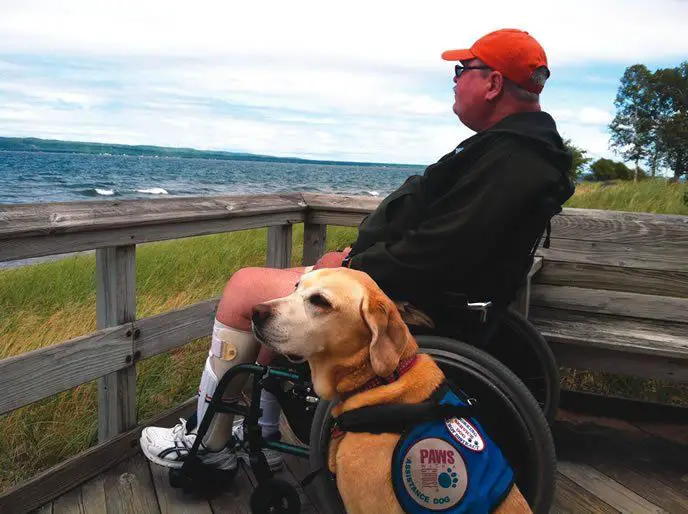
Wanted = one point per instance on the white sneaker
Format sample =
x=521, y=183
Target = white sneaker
x=170, y=446
x=274, y=458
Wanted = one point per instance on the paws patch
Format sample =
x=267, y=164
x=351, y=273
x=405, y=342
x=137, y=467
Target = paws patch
x=434, y=474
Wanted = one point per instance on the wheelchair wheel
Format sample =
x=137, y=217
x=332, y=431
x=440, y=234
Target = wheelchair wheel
x=517, y=344
x=520, y=347
x=508, y=413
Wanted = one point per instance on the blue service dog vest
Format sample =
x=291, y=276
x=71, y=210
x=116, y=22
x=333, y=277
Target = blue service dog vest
x=449, y=465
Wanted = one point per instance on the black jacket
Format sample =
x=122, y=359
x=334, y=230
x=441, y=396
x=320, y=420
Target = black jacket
x=468, y=224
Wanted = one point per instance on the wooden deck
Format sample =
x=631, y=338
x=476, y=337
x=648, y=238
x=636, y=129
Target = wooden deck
x=605, y=465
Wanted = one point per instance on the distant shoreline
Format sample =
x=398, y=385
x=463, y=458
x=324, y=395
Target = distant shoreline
x=36, y=145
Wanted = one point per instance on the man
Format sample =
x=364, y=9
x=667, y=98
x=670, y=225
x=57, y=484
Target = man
x=467, y=225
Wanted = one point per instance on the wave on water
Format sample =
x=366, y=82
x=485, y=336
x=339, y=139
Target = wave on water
x=43, y=177
x=97, y=191
x=153, y=191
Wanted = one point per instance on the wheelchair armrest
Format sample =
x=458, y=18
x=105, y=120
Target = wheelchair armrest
x=522, y=302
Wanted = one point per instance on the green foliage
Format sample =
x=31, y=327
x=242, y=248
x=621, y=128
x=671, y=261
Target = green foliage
x=636, y=118
x=672, y=91
x=651, y=122
x=580, y=159
x=606, y=169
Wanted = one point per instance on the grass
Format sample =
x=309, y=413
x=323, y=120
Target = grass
x=44, y=304
x=656, y=196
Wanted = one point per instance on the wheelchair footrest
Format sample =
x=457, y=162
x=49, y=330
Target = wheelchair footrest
x=194, y=477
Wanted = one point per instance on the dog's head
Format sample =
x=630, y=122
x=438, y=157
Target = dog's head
x=341, y=322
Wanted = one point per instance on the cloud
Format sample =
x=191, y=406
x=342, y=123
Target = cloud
x=291, y=111
x=45, y=93
x=594, y=116
x=360, y=31
x=583, y=117
x=355, y=81
x=594, y=140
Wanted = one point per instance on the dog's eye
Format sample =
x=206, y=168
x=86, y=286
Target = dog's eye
x=319, y=301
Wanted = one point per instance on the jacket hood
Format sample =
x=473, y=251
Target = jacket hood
x=540, y=128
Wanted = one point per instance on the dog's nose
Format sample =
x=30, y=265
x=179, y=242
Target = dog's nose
x=261, y=313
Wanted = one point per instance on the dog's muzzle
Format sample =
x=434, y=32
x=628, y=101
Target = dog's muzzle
x=260, y=316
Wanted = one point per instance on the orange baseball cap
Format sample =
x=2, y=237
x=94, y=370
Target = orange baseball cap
x=512, y=52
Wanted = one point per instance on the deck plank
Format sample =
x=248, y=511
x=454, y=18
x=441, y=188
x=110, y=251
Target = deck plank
x=612, y=447
x=237, y=498
x=300, y=468
x=69, y=503
x=129, y=488
x=608, y=490
x=174, y=501
x=646, y=483
x=570, y=498
x=284, y=473
x=62, y=478
x=44, y=509
x=307, y=506
x=606, y=466
x=93, y=495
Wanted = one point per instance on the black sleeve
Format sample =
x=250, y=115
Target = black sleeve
x=460, y=228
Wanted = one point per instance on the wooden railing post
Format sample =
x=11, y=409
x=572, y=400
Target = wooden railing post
x=115, y=305
x=314, y=241
x=279, y=246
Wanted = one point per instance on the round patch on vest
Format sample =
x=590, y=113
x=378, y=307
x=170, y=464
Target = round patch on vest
x=434, y=474
x=465, y=433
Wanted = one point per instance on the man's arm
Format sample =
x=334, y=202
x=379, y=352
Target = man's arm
x=332, y=259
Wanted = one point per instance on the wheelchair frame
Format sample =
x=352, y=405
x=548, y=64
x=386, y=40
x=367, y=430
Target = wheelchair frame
x=194, y=475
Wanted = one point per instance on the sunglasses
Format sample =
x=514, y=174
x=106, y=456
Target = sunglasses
x=459, y=69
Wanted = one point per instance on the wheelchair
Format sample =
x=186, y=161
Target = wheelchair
x=497, y=358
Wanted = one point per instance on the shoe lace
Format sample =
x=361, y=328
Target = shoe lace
x=179, y=430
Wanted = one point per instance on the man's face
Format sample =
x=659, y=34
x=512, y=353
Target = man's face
x=469, y=95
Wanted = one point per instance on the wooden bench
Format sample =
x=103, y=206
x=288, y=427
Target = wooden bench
x=612, y=294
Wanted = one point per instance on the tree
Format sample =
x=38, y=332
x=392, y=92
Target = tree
x=671, y=85
x=579, y=159
x=636, y=122
x=651, y=123
x=606, y=169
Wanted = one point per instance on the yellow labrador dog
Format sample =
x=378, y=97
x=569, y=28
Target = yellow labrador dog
x=351, y=332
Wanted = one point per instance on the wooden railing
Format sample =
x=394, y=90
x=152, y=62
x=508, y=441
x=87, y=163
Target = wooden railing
x=110, y=354
x=114, y=229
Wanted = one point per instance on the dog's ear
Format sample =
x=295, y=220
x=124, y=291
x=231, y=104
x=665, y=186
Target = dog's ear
x=390, y=333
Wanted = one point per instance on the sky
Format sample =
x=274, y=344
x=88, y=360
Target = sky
x=355, y=80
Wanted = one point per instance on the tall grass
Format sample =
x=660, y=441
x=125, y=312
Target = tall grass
x=652, y=195
x=44, y=304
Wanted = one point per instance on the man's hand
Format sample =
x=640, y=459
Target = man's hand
x=332, y=259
